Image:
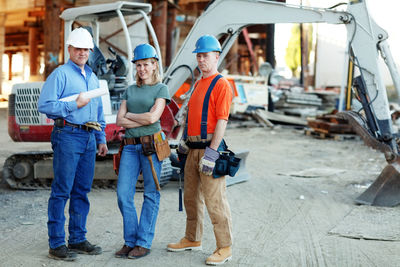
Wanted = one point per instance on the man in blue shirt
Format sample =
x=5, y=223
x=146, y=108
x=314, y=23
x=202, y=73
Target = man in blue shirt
x=78, y=128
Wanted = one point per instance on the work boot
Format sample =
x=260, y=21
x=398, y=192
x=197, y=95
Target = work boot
x=85, y=248
x=123, y=252
x=184, y=244
x=138, y=252
x=220, y=256
x=62, y=253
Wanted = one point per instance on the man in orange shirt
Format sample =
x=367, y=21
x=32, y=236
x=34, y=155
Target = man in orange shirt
x=206, y=123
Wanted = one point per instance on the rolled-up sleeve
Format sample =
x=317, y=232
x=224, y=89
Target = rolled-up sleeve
x=101, y=135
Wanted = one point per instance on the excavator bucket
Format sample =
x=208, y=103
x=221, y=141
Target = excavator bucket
x=385, y=190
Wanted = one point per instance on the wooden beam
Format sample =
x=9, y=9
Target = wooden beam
x=33, y=51
x=36, y=13
x=171, y=26
x=52, y=36
x=2, y=46
x=159, y=21
x=250, y=47
x=10, y=66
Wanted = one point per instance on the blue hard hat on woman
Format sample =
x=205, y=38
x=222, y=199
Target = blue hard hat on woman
x=207, y=43
x=144, y=51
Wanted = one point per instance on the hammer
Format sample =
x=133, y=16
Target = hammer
x=154, y=173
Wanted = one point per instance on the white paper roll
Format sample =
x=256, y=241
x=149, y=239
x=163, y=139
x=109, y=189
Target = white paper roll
x=89, y=94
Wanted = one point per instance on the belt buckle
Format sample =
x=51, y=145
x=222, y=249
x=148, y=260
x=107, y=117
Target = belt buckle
x=87, y=128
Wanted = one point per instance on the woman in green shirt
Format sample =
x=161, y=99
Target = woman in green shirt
x=139, y=113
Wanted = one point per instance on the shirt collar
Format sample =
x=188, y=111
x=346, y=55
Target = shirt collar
x=88, y=70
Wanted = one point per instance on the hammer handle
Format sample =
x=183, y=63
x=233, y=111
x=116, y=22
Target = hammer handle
x=154, y=173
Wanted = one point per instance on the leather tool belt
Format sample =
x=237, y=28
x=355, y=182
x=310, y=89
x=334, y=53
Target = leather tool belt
x=198, y=145
x=156, y=143
x=132, y=141
x=61, y=123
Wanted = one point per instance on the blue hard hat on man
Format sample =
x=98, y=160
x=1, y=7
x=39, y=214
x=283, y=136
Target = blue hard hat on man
x=144, y=51
x=207, y=43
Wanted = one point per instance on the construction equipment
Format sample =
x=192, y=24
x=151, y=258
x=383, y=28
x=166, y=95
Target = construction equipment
x=32, y=170
x=366, y=40
x=25, y=124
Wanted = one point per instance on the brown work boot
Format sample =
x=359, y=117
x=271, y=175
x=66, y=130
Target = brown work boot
x=123, y=252
x=184, y=244
x=138, y=252
x=220, y=256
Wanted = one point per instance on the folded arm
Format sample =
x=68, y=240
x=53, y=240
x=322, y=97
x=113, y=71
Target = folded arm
x=124, y=122
x=148, y=117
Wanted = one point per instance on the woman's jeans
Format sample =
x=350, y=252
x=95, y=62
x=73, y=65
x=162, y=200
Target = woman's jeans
x=73, y=164
x=133, y=161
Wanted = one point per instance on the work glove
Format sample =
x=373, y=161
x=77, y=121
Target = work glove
x=207, y=162
x=182, y=147
x=94, y=125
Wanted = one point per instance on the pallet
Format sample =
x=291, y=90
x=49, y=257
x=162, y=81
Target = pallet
x=334, y=136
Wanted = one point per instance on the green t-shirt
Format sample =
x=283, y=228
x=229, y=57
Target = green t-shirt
x=141, y=100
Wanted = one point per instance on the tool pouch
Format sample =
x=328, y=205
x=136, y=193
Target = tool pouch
x=117, y=157
x=161, y=146
x=227, y=163
x=59, y=122
x=148, y=145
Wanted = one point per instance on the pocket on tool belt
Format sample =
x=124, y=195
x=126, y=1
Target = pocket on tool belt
x=161, y=146
x=227, y=163
x=148, y=147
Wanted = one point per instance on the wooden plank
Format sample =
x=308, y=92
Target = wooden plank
x=276, y=117
x=330, y=126
x=320, y=134
x=260, y=117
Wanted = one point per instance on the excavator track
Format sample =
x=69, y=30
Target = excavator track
x=33, y=170
x=18, y=170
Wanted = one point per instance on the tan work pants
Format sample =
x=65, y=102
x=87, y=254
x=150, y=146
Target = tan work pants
x=200, y=189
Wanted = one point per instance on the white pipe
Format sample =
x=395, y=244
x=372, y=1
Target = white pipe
x=67, y=31
x=388, y=58
x=128, y=46
x=154, y=37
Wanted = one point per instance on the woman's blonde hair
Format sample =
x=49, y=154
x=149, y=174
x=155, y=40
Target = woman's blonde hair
x=156, y=74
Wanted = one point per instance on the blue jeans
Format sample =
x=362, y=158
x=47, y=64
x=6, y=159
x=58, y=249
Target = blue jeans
x=73, y=164
x=132, y=162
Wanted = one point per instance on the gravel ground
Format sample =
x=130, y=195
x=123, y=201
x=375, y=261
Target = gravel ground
x=300, y=189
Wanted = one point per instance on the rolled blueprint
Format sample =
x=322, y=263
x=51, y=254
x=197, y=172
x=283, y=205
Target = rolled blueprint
x=89, y=94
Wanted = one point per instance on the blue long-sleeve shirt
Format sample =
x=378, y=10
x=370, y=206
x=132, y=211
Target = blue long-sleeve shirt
x=68, y=80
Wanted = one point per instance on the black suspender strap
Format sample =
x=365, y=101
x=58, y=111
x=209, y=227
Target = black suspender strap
x=204, y=113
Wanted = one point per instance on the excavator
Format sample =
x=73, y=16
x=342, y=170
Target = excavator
x=365, y=40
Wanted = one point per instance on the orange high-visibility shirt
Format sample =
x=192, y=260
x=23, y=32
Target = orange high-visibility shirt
x=218, y=107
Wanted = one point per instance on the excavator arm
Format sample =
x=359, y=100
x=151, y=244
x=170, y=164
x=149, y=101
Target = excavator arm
x=365, y=39
x=226, y=19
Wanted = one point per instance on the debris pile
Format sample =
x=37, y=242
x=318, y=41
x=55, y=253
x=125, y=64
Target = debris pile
x=259, y=105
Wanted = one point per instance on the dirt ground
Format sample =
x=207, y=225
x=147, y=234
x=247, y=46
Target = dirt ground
x=301, y=189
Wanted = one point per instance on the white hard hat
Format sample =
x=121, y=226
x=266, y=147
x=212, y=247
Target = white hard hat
x=80, y=38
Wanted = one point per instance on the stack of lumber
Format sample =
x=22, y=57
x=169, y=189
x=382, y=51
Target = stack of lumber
x=330, y=123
